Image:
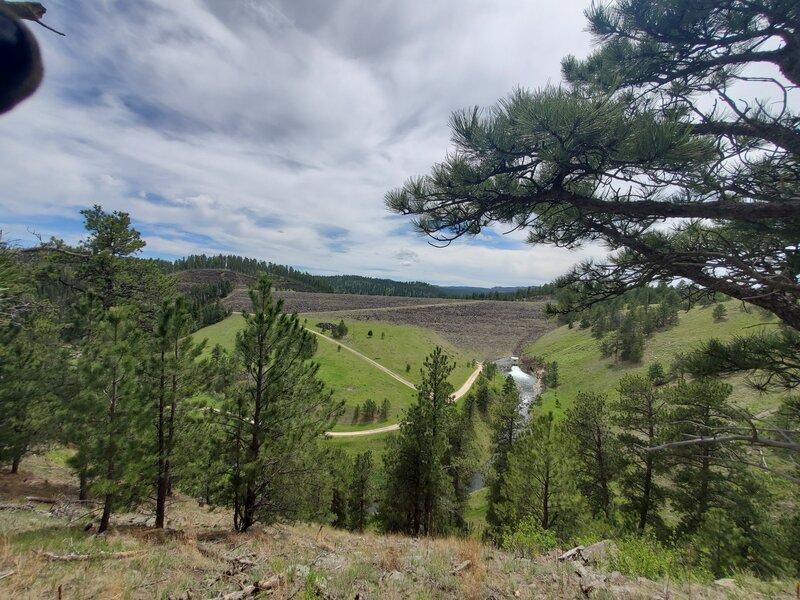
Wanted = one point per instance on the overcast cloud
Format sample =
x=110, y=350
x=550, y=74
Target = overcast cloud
x=273, y=129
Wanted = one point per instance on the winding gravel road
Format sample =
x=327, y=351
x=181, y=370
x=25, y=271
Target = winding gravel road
x=462, y=391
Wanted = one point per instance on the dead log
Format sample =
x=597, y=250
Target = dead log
x=575, y=554
x=98, y=556
x=9, y=574
x=41, y=499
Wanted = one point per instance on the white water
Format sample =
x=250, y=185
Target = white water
x=528, y=388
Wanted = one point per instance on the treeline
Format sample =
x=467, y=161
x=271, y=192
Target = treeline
x=252, y=267
x=371, y=286
x=348, y=284
x=527, y=293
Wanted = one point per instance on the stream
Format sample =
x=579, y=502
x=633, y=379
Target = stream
x=529, y=387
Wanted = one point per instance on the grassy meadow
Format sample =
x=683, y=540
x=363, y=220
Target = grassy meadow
x=582, y=368
x=354, y=380
x=396, y=346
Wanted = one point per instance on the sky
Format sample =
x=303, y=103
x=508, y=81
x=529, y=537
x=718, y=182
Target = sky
x=274, y=128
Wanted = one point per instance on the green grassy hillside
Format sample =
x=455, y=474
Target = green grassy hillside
x=582, y=368
x=401, y=345
x=354, y=380
x=395, y=346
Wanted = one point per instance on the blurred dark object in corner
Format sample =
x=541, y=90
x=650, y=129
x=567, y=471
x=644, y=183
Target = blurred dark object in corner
x=20, y=61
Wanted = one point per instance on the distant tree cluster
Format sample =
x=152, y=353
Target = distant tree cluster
x=252, y=267
x=204, y=302
x=339, y=331
x=622, y=324
x=370, y=411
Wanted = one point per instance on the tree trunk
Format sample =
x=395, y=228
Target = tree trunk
x=645, y=505
x=15, y=464
x=105, y=520
x=161, y=485
x=83, y=485
x=161, y=499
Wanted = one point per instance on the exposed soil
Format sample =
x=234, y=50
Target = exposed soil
x=488, y=329
x=314, y=302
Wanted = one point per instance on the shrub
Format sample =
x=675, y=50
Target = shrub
x=529, y=539
x=645, y=556
x=720, y=313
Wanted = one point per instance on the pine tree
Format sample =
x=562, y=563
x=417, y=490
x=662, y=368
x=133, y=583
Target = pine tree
x=589, y=423
x=174, y=368
x=32, y=368
x=702, y=475
x=111, y=401
x=506, y=424
x=419, y=492
x=385, y=408
x=640, y=415
x=273, y=420
x=720, y=313
x=541, y=479
x=360, y=491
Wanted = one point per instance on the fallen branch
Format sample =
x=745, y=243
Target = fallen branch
x=99, y=556
x=9, y=574
x=41, y=499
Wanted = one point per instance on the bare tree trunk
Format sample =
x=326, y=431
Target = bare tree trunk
x=83, y=485
x=15, y=465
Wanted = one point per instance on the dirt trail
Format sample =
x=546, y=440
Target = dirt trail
x=389, y=372
x=462, y=391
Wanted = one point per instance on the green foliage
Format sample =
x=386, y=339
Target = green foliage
x=339, y=331
x=418, y=495
x=718, y=541
x=528, y=539
x=645, y=556
x=640, y=414
x=656, y=373
x=550, y=376
x=506, y=424
x=360, y=491
x=702, y=474
x=589, y=423
x=541, y=479
x=720, y=313
x=386, y=406
x=268, y=427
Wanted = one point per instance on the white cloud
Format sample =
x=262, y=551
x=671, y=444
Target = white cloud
x=253, y=127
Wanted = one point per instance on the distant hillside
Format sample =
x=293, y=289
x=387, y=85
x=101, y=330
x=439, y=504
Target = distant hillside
x=583, y=368
x=499, y=293
x=196, y=269
x=184, y=280
x=371, y=286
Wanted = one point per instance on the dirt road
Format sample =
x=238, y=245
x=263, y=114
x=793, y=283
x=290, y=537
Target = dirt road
x=462, y=391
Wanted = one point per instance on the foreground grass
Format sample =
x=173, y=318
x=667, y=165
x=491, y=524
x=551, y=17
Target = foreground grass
x=582, y=368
